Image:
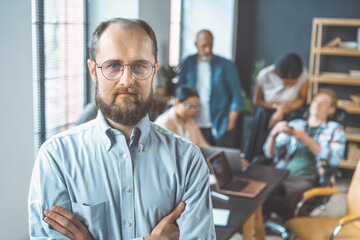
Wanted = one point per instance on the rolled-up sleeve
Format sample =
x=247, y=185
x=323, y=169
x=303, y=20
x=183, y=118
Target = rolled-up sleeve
x=332, y=151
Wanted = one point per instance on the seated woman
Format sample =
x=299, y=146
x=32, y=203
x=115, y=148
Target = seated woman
x=280, y=89
x=179, y=117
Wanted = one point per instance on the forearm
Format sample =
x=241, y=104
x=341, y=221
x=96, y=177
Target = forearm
x=313, y=146
x=263, y=104
x=295, y=104
x=270, y=145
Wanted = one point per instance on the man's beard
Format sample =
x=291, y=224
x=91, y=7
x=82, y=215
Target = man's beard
x=130, y=112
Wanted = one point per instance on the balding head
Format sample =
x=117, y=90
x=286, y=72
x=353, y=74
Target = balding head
x=127, y=23
x=204, y=43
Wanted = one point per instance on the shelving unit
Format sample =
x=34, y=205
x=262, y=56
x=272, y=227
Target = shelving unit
x=335, y=78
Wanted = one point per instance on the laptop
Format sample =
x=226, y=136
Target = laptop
x=233, y=155
x=226, y=183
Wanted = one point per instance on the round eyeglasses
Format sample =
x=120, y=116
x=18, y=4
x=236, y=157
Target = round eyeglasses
x=114, y=69
x=191, y=107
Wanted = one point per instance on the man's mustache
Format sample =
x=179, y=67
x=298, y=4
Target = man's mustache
x=124, y=90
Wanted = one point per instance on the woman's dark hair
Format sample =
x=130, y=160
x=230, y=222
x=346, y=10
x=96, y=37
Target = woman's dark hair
x=289, y=66
x=184, y=92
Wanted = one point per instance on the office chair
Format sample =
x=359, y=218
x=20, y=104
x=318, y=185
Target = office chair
x=348, y=227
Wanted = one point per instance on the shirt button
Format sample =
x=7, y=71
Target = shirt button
x=141, y=146
x=125, y=155
x=128, y=224
x=127, y=189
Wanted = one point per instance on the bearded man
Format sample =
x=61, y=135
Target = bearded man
x=120, y=176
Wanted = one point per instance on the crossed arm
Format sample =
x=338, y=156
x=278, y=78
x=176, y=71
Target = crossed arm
x=66, y=223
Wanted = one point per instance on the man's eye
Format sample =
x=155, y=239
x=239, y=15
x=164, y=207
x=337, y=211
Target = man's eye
x=138, y=66
x=114, y=65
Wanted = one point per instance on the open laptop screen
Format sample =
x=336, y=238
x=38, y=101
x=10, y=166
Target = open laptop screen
x=221, y=168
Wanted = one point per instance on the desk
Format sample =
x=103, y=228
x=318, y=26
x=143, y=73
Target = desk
x=246, y=212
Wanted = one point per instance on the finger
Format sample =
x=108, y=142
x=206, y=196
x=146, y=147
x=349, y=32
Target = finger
x=62, y=221
x=68, y=215
x=176, y=212
x=57, y=227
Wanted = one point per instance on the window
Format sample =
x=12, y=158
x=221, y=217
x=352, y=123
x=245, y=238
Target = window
x=217, y=16
x=59, y=47
x=175, y=25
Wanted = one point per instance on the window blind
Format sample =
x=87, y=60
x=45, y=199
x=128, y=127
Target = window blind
x=60, y=53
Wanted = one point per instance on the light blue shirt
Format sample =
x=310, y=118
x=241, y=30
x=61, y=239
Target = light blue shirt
x=121, y=190
x=330, y=136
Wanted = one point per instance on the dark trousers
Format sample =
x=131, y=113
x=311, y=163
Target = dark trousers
x=260, y=130
x=227, y=140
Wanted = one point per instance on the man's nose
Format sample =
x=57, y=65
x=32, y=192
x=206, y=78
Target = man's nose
x=126, y=78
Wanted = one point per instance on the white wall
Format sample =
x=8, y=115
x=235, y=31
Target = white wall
x=16, y=121
x=157, y=14
x=101, y=10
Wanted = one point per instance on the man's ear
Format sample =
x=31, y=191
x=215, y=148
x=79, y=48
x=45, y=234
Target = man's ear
x=157, y=64
x=92, y=66
x=175, y=101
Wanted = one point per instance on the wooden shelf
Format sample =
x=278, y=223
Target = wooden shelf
x=338, y=51
x=336, y=78
x=347, y=165
x=349, y=106
x=351, y=136
x=316, y=77
x=338, y=22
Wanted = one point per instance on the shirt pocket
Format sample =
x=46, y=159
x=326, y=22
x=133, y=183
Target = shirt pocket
x=95, y=217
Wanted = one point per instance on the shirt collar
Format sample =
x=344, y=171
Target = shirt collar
x=321, y=126
x=139, y=134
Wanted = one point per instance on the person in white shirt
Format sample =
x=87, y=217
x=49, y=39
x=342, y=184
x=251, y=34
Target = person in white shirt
x=280, y=90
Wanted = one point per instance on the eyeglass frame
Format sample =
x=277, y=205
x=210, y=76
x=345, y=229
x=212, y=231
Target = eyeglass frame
x=191, y=107
x=124, y=65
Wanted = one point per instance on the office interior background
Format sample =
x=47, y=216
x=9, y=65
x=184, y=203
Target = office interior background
x=245, y=31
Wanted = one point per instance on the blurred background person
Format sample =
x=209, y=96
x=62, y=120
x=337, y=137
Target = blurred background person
x=279, y=91
x=179, y=117
x=217, y=81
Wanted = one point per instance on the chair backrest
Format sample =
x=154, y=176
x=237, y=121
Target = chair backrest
x=339, y=115
x=353, y=206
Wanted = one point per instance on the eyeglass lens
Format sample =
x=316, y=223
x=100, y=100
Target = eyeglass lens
x=140, y=69
x=191, y=107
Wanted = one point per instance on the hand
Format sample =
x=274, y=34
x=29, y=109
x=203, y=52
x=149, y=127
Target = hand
x=275, y=118
x=166, y=229
x=281, y=127
x=300, y=135
x=284, y=108
x=66, y=223
x=232, y=120
x=244, y=163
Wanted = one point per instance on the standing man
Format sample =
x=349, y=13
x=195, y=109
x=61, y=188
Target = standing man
x=120, y=176
x=217, y=81
x=310, y=147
